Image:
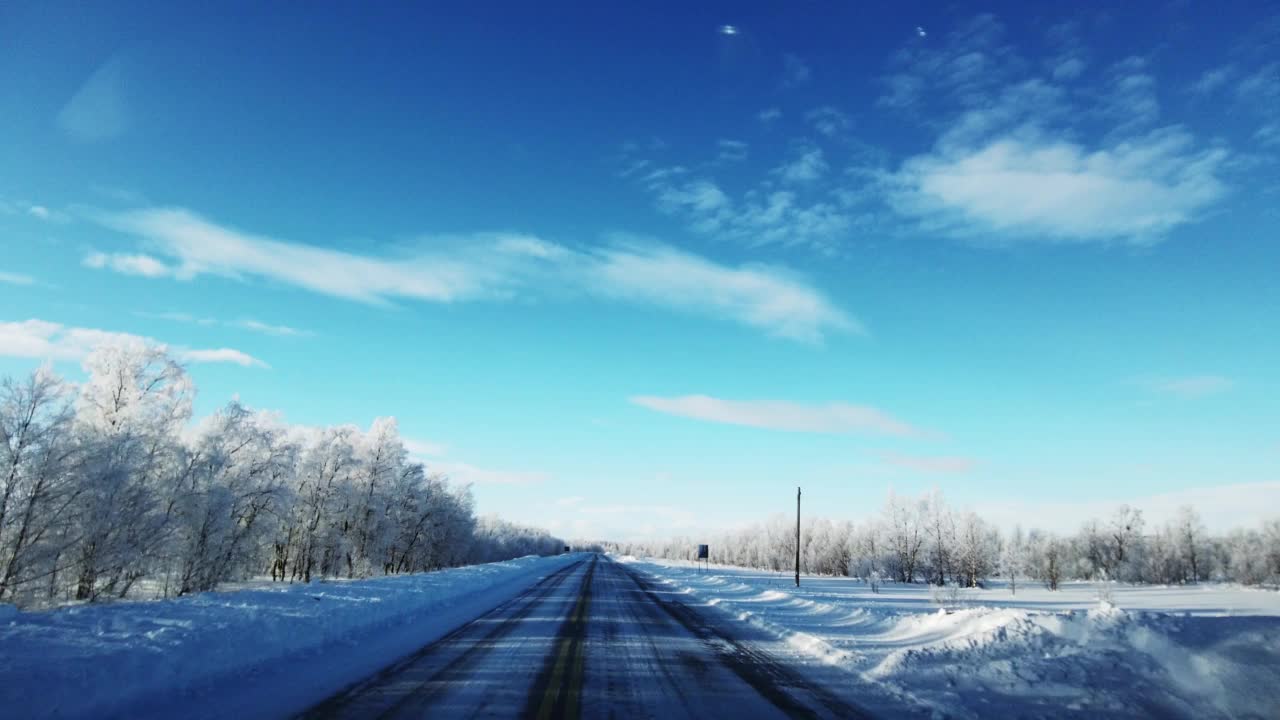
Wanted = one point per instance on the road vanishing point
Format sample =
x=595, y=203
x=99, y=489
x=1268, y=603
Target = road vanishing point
x=594, y=639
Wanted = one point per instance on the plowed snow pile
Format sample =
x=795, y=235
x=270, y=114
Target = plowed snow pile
x=1203, y=651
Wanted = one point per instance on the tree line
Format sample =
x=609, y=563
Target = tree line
x=107, y=490
x=925, y=540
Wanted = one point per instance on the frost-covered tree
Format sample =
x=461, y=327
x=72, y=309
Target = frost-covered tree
x=905, y=534
x=37, y=454
x=107, y=484
x=977, y=550
x=1013, y=558
x=1125, y=538
x=1189, y=534
x=129, y=413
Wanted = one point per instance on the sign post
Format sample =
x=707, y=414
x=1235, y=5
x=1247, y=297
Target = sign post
x=797, y=537
x=704, y=554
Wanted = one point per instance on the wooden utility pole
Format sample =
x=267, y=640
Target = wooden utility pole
x=797, y=537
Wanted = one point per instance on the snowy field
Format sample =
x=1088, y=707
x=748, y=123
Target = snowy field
x=245, y=654
x=1197, y=651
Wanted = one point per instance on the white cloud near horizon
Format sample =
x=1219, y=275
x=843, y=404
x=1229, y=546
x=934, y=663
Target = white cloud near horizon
x=1193, y=386
x=466, y=473
x=43, y=340
x=838, y=418
x=423, y=448
x=929, y=463
x=487, y=266
x=1222, y=508
x=10, y=278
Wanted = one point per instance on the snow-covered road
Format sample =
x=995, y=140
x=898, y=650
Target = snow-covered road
x=594, y=639
x=585, y=635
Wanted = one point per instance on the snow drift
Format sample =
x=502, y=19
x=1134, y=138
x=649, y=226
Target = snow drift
x=1206, y=651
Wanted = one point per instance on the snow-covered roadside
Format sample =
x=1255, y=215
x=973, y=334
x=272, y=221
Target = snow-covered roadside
x=1205, y=651
x=244, y=654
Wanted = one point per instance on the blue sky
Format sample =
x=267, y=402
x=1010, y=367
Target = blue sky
x=640, y=271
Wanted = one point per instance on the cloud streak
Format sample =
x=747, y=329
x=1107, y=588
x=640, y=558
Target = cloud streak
x=42, y=340
x=9, y=278
x=128, y=264
x=1194, y=386
x=942, y=464
x=470, y=474
x=837, y=418
x=487, y=266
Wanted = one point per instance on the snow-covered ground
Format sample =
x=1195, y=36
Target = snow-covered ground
x=1196, y=651
x=244, y=654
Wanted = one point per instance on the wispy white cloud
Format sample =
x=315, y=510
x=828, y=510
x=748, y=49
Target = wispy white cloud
x=967, y=67
x=98, y=110
x=828, y=120
x=769, y=115
x=809, y=166
x=43, y=340
x=1261, y=87
x=498, y=266
x=1268, y=135
x=759, y=296
x=424, y=448
x=177, y=317
x=1193, y=386
x=731, y=151
x=1068, y=68
x=1212, y=80
x=245, y=324
x=221, y=355
x=465, y=473
x=434, y=456
x=128, y=264
x=1129, y=101
x=269, y=329
x=795, y=72
x=202, y=247
x=764, y=215
x=1029, y=186
x=1026, y=155
x=930, y=463
x=9, y=278
x=779, y=415
x=1068, y=58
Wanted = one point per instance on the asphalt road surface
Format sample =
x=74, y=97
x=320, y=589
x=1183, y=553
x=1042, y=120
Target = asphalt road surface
x=592, y=640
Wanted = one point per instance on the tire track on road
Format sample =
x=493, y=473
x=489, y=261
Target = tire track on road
x=439, y=681
x=766, y=675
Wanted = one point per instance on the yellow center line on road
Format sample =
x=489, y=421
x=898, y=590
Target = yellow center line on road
x=569, y=657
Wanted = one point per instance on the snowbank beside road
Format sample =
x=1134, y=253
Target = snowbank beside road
x=243, y=654
x=1202, y=651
